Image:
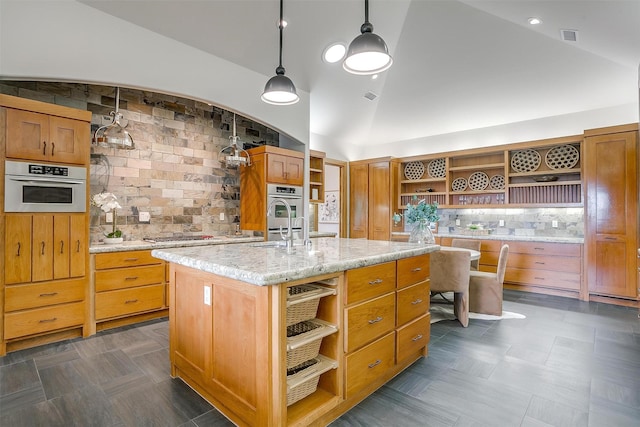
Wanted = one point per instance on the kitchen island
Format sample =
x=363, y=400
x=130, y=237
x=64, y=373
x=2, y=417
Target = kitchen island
x=232, y=308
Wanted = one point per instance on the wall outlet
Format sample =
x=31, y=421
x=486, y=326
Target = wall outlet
x=457, y=222
x=501, y=223
x=221, y=216
x=108, y=217
x=144, y=216
x=207, y=295
x=554, y=224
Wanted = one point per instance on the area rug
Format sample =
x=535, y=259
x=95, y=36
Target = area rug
x=441, y=312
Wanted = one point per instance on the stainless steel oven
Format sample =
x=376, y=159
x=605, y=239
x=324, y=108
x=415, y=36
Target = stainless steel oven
x=40, y=187
x=278, y=218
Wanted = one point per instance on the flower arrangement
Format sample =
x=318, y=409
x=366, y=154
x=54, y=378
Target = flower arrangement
x=108, y=202
x=420, y=211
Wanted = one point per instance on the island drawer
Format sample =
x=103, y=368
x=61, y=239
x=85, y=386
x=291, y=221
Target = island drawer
x=121, y=278
x=124, y=259
x=413, y=270
x=368, y=282
x=412, y=337
x=128, y=301
x=412, y=302
x=367, y=321
x=368, y=364
x=39, y=320
x=20, y=297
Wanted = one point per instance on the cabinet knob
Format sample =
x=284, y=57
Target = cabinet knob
x=418, y=301
x=415, y=270
x=374, y=364
x=417, y=337
x=375, y=282
x=376, y=320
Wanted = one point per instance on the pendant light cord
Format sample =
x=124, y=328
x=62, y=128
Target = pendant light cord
x=366, y=27
x=280, y=26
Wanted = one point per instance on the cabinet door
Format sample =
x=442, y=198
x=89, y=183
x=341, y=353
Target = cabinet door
x=295, y=171
x=359, y=194
x=61, y=247
x=379, y=205
x=27, y=135
x=69, y=140
x=277, y=168
x=42, y=255
x=78, y=245
x=17, y=249
x=611, y=213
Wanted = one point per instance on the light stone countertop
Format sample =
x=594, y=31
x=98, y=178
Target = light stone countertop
x=506, y=237
x=140, y=245
x=261, y=264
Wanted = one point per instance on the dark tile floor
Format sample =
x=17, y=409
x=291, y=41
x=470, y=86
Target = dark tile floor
x=569, y=363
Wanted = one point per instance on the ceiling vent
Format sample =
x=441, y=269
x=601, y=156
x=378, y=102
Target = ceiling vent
x=569, y=35
x=370, y=96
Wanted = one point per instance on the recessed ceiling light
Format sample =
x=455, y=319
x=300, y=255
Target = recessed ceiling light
x=334, y=52
x=534, y=21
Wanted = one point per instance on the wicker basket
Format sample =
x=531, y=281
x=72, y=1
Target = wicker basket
x=304, y=339
x=303, y=380
x=303, y=300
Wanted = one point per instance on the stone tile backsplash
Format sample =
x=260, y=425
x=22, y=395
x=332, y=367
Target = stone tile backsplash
x=173, y=173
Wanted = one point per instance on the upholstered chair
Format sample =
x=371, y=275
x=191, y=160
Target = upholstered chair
x=485, y=289
x=450, y=273
x=468, y=244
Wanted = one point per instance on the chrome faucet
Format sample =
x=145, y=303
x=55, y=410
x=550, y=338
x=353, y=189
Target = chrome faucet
x=305, y=231
x=289, y=236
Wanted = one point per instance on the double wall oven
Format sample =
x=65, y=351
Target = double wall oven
x=278, y=218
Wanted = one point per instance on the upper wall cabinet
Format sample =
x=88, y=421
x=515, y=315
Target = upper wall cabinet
x=526, y=174
x=46, y=132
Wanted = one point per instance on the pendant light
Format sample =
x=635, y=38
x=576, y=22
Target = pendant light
x=367, y=53
x=114, y=134
x=280, y=90
x=231, y=156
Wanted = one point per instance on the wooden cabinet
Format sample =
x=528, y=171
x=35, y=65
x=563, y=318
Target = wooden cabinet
x=128, y=283
x=372, y=194
x=43, y=247
x=269, y=165
x=316, y=176
x=535, y=173
x=42, y=137
x=611, y=211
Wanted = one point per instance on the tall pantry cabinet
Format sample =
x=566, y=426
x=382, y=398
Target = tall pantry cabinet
x=611, y=211
x=372, y=193
x=44, y=256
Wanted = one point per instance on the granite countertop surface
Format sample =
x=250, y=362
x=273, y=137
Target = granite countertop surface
x=506, y=237
x=264, y=264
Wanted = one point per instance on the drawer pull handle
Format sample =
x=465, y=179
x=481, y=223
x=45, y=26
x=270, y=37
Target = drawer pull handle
x=61, y=246
x=50, y=294
x=375, y=282
x=53, y=319
x=417, y=337
x=415, y=270
x=374, y=364
x=131, y=278
x=418, y=301
x=609, y=238
x=44, y=148
x=130, y=301
x=78, y=246
x=53, y=147
x=42, y=248
x=539, y=249
x=130, y=259
x=19, y=245
x=540, y=278
x=540, y=262
x=376, y=320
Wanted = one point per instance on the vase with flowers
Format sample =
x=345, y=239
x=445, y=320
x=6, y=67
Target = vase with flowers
x=108, y=202
x=420, y=215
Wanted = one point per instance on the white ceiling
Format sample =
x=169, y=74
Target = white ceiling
x=458, y=65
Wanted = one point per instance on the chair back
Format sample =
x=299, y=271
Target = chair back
x=449, y=271
x=468, y=244
x=502, y=263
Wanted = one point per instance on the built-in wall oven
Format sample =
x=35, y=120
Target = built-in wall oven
x=278, y=218
x=40, y=187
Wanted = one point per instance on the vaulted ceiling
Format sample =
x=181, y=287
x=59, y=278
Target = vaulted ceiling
x=458, y=65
